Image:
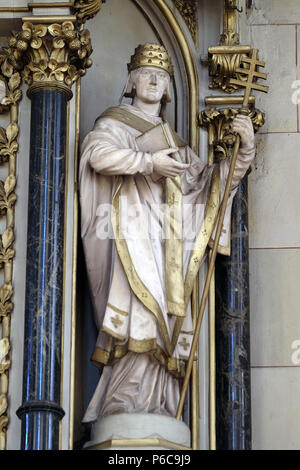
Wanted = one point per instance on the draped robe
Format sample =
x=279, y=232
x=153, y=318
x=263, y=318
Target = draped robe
x=145, y=333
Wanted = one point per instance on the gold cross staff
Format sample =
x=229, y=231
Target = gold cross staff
x=252, y=75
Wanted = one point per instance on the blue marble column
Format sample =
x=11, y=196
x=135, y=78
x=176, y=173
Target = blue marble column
x=233, y=426
x=41, y=411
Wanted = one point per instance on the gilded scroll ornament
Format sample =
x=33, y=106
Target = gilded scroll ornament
x=86, y=9
x=222, y=68
x=188, y=10
x=220, y=136
x=227, y=57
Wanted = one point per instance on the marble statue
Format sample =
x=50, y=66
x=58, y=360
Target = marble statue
x=132, y=191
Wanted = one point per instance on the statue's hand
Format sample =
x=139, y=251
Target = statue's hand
x=244, y=127
x=167, y=166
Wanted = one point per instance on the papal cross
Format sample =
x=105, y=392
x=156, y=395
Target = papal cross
x=252, y=75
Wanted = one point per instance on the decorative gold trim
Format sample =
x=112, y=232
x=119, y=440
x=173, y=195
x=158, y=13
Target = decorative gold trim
x=229, y=49
x=117, y=310
x=74, y=267
x=203, y=237
x=226, y=58
x=50, y=5
x=86, y=9
x=14, y=9
x=195, y=405
x=143, y=442
x=227, y=100
x=49, y=19
x=64, y=265
x=55, y=55
x=137, y=286
x=174, y=365
x=49, y=85
x=8, y=153
x=221, y=139
x=212, y=364
x=189, y=12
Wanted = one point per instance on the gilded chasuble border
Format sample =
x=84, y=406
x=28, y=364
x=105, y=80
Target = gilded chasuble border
x=174, y=365
x=202, y=240
x=137, y=286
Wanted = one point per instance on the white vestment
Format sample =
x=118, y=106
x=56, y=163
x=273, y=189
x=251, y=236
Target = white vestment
x=143, y=346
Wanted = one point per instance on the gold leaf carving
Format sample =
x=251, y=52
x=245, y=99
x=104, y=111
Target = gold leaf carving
x=4, y=366
x=55, y=50
x=14, y=81
x=8, y=142
x=12, y=132
x=86, y=9
x=218, y=122
x=188, y=10
x=3, y=425
x=7, y=238
x=3, y=404
x=12, y=60
x=6, y=305
x=4, y=348
x=7, y=196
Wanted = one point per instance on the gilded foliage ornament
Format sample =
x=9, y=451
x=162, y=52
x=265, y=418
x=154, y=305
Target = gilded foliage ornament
x=188, y=10
x=56, y=53
x=12, y=60
x=218, y=122
x=86, y=9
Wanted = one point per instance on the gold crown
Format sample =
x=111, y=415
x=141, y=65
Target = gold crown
x=151, y=55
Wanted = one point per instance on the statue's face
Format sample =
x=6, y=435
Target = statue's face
x=151, y=84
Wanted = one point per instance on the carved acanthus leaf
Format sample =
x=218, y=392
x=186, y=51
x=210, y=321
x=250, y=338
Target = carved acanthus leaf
x=218, y=121
x=86, y=9
x=188, y=10
x=6, y=306
x=56, y=53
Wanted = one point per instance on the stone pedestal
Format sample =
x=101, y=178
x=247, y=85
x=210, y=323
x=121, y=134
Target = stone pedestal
x=139, y=431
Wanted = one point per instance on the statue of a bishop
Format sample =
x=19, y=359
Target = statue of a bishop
x=149, y=207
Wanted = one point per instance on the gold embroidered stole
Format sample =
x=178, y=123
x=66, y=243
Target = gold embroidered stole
x=178, y=290
x=138, y=123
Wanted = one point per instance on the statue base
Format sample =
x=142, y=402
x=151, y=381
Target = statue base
x=139, y=432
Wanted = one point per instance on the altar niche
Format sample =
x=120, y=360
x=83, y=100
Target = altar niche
x=139, y=22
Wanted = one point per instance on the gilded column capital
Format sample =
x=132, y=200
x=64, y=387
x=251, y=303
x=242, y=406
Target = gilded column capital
x=52, y=56
x=57, y=55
